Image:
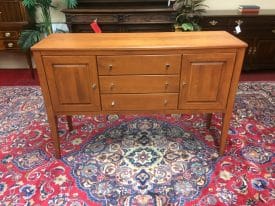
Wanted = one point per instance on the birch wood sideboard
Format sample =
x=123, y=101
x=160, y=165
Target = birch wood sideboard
x=169, y=72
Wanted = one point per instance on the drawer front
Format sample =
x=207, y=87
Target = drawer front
x=10, y=44
x=139, y=64
x=9, y=34
x=91, y=17
x=148, y=18
x=214, y=23
x=139, y=84
x=139, y=101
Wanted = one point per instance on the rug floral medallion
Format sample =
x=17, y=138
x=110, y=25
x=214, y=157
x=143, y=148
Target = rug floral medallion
x=144, y=157
x=137, y=160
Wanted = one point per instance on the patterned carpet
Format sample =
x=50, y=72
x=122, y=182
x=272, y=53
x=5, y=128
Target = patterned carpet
x=137, y=160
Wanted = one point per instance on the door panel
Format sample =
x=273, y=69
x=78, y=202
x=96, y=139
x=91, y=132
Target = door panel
x=72, y=82
x=264, y=53
x=205, y=80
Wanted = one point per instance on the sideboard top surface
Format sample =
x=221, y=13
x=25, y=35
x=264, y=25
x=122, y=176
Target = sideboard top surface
x=139, y=41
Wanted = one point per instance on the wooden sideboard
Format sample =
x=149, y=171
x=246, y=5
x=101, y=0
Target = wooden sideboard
x=257, y=30
x=13, y=18
x=121, y=16
x=168, y=72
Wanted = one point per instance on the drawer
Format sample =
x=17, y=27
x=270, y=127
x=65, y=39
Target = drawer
x=139, y=84
x=139, y=64
x=214, y=23
x=9, y=44
x=139, y=101
x=9, y=34
x=148, y=18
x=88, y=18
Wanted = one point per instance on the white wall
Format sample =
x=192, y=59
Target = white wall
x=18, y=61
x=233, y=4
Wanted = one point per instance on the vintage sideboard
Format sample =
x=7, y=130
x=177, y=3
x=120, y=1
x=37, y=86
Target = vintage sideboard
x=121, y=16
x=257, y=30
x=169, y=72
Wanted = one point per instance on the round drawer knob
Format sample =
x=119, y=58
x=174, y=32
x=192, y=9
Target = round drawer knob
x=167, y=66
x=10, y=44
x=7, y=34
x=165, y=102
x=110, y=67
x=113, y=103
x=93, y=86
x=112, y=86
x=166, y=85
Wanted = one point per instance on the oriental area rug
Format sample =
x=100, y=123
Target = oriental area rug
x=137, y=160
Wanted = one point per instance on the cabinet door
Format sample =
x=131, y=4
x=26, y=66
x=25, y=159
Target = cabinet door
x=12, y=11
x=73, y=82
x=264, y=54
x=205, y=80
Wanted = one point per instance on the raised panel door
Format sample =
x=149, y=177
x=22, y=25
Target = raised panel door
x=205, y=80
x=12, y=11
x=73, y=82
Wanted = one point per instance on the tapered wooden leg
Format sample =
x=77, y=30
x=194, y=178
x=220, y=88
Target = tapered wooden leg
x=208, y=120
x=224, y=132
x=54, y=133
x=70, y=123
x=29, y=60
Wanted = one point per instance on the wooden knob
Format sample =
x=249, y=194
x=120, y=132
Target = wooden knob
x=167, y=66
x=110, y=67
x=112, y=86
x=166, y=85
x=7, y=34
x=165, y=102
x=10, y=44
x=183, y=83
x=113, y=103
x=94, y=86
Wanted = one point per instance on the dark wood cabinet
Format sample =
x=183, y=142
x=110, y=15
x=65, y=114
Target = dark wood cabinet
x=13, y=19
x=258, y=30
x=121, y=16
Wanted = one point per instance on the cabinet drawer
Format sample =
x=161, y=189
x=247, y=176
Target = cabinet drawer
x=214, y=23
x=148, y=18
x=139, y=101
x=139, y=84
x=139, y=64
x=9, y=34
x=10, y=44
x=88, y=18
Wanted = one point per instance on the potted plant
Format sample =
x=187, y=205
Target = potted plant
x=39, y=30
x=189, y=13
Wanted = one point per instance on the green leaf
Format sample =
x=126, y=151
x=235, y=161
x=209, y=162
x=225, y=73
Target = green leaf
x=29, y=3
x=187, y=27
x=71, y=3
x=28, y=38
